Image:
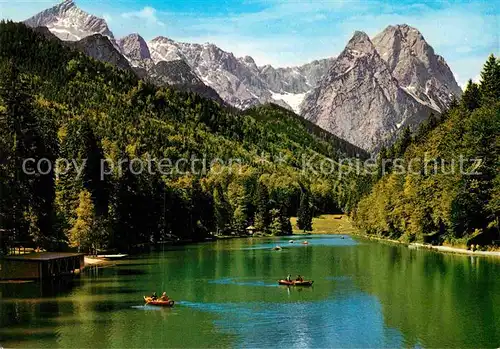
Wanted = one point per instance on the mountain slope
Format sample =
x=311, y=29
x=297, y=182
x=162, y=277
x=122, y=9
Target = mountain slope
x=179, y=75
x=377, y=88
x=101, y=48
x=435, y=196
x=75, y=107
x=236, y=82
x=239, y=81
x=136, y=50
x=68, y=22
x=400, y=88
x=295, y=80
x=359, y=100
x=417, y=68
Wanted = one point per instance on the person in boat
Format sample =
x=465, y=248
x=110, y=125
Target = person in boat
x=154, y=296
x=164, y=296
x=289, y=278
x=299, y=278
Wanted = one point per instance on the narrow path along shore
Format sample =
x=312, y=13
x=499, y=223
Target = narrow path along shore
x=444, y=249
x=450, y=249
x=341, y=224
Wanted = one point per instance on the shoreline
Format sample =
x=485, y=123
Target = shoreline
x=95, y=261
x=437, y=248
x=456, y=250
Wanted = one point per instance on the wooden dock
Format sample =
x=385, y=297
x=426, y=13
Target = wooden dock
x=39, y=266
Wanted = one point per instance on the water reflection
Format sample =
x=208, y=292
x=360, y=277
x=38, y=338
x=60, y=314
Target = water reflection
x=365, y=294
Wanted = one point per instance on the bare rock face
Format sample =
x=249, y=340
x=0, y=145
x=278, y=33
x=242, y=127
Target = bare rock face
x=367, y=95
x=136, y=50
x=47, y=34
x=233, y=79
x=134, y=47
x=295, y=79
x=69, y=23
x=359, y=100
x=239, y=81
x=417, y=68
x=375, y=89
x=179, y=75
x=173, y=73
x=102, y=49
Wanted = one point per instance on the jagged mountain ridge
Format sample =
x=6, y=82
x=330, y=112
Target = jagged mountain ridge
x=417, y=68
x=101, y=48
x=91, y=35
x=180, y=75
x=69, y=23
x=402, y=86
x=372, y=92
x=239, y=81
x=96, y=46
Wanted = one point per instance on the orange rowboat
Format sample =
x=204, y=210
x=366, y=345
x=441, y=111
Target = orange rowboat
x=159, y=303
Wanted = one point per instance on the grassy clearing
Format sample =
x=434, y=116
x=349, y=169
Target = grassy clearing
x=328, y=224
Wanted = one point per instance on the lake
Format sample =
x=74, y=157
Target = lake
x=365, y=294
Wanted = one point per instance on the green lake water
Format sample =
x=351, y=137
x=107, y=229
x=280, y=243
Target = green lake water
x=365, y=294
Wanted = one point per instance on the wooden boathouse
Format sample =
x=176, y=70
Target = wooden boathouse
x=39, y=266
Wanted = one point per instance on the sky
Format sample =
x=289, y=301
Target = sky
x=293, y=32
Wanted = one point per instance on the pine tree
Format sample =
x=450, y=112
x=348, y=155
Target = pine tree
x=304, y=219
x=92, y=181
x=26, y=134
x=239, y=222
x=404, y=141
x=286, y=225
x=381, y=160
x=490, y=80
x=222, y=211
x=80, y=235
x=471, y=98
x=262, y=212
x=275, y=227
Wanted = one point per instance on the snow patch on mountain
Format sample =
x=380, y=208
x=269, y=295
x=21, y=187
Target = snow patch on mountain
x=294, y=100
x=70, y=23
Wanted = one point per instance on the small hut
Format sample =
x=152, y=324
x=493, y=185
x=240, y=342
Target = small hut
x=33, y=266
x=251, y=230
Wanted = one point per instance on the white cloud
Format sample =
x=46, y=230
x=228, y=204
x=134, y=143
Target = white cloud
x=107, y=18
x=147, y=14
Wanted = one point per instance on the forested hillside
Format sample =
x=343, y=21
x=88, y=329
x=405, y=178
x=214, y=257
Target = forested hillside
x=62, y=106
x=446, y=187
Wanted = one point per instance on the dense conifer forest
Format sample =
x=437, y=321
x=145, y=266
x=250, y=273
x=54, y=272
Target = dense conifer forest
x=114, y=162
x=101, y=125
x=445, y=187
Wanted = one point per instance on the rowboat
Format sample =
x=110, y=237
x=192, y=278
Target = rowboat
x=150, y=301
x=112, y=256
x=296, y=283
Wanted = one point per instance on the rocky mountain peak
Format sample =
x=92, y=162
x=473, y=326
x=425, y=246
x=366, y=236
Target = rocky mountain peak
x=377, y=87
x=248, y=60
x=161, y=39
x=415, y=65
x=134, y=47
x=366, y=95
x=68, y=22
x=102, y=49
x=359, y=45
